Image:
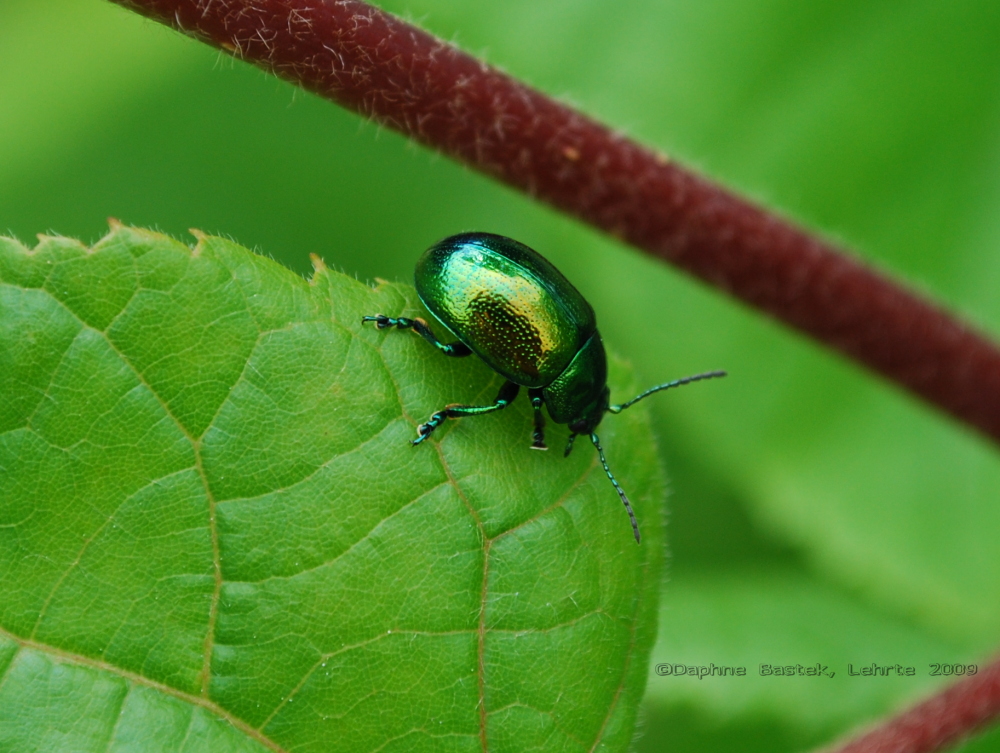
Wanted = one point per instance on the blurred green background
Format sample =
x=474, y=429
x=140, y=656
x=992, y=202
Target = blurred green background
x=817, y=514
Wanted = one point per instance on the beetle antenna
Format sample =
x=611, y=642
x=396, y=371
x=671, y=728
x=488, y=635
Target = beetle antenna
x=569, y=445
x=628, y=507
x=665, y=386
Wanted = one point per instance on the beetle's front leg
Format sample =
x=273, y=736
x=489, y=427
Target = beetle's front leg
x=504, y=398
x=569, y=444
x=538, y=436
x=456, y=349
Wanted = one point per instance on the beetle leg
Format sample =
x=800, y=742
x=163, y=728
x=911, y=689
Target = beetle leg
x=569, y=444
x=538, y=437
x=504, y=398
x=457, y=349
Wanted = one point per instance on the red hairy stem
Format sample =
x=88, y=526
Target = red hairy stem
x=406, y=79
x=938, y=722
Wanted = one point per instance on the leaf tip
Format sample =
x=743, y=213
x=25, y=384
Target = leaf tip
x=201, y=237
x=114, y=224
x=319, y=267
x=54, y=240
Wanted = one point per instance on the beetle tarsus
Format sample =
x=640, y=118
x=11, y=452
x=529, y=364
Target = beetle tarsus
x=425, y=429
x=383, y=322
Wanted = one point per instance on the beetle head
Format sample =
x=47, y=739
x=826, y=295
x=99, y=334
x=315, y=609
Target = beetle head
x=592, y=414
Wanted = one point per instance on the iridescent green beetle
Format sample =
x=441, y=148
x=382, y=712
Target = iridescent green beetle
x=512, y=308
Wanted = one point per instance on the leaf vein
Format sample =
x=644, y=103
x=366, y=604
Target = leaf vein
x=320, y=662
x=558, y=503
x=543, y=712
x=118, y=719
x=135, y=291
x=52, y=379
x=568, y=623
x=133, y=677
x=8, y=670
x=346, y=551
x=213, y=611
x=86, y=544
x=413, y=730
x=261, y=334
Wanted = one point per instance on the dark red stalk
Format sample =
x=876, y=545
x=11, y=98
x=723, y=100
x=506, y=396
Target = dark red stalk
x=404, y=78
x=938, y=722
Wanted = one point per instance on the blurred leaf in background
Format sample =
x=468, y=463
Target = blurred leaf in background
x=803, y=488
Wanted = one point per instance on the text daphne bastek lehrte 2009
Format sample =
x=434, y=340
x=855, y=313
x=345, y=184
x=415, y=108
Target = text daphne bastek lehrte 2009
x=873, y=669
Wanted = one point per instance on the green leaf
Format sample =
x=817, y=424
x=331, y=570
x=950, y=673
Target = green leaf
x=214, y=534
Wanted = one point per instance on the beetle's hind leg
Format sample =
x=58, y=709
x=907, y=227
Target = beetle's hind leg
x=504, y=398
x=538, y=436
x=456, y=349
